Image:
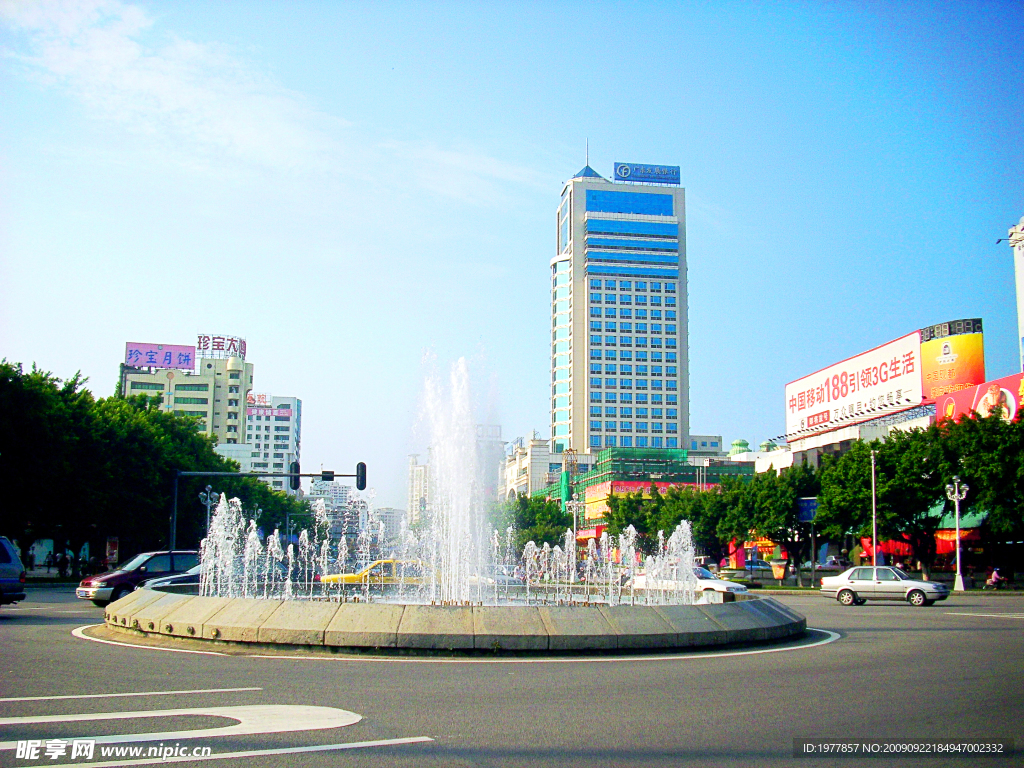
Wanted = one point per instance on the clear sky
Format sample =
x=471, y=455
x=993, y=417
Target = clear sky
x=367, y=191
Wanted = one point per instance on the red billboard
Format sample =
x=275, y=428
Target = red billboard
x=1003, y=394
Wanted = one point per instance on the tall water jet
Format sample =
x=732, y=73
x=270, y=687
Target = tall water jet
x=456, y=518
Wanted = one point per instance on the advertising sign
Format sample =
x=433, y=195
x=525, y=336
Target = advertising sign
x=220, y=347
x=1005, y=394
x=656, y=174
x=884, y=380
x=952, y=357
x=143, y=355
x=268, y=412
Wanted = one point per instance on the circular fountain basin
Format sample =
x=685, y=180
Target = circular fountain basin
x=464, y=628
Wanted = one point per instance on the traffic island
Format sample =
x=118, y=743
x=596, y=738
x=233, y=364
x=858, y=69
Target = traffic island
x=531, y=629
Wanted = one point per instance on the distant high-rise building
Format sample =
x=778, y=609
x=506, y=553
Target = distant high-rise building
x=419, y=489
x=619, y=362
x=490, y=458
x=273, y=430
x=335, y=494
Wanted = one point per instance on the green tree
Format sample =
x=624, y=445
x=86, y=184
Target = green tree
x=703, y=509
x=644, y=512
x=536, y=519
x=987, y=453
x=80, y=470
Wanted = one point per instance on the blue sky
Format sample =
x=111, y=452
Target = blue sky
x=367, y=191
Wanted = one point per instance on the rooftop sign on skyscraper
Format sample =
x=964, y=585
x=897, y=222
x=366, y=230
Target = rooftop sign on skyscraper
x=650, y=174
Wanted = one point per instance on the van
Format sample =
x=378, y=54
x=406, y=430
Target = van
x=12, y=573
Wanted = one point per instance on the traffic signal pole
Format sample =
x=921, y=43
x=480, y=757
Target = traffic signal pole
x=360, y=477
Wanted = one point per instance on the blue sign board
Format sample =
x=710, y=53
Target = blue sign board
x=808, y=508
x=656, y=174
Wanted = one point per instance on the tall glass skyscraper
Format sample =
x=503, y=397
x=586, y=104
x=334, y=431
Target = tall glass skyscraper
x=619, y=363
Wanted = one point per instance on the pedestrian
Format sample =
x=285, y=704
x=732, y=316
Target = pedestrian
x=48, y=561
x=62, y=565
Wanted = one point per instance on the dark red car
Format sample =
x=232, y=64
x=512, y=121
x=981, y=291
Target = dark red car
x=113, y=585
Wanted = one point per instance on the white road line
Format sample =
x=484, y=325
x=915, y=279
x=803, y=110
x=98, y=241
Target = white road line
x=832, y=637
x=989, y=615
x=250, y=720
x=132, y=693
x=252, y=753
x=77, y=632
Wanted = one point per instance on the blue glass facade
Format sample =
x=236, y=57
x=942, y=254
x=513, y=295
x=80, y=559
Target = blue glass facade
x=614, y=227
x=607, y=201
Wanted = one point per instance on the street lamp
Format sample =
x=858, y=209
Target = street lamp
x=874, y=515
x=574, y=508
x=209, y=498
x=957, y=492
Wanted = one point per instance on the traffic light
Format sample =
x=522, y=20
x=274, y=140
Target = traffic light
x=326, y=475
x=361, y=476
x=294, y=482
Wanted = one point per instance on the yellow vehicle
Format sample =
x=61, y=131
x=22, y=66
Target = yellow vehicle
x=381, y=573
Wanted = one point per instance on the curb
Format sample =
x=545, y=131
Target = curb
x=548, y=628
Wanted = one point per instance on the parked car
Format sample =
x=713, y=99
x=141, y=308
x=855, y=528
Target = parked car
x=12, y=573
x=832, y=564
x=855, y=586
x=186, y=583
x=706, y=582
x=759, y=569
x=113, y=585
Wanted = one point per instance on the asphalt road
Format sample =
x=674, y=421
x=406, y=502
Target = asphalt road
x=955, y=670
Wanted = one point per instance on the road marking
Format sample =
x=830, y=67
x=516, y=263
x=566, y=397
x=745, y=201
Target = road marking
x=989, y=615
x=254, y=753
x=77, y=632
x=133, y=693
x=832, y=637
x=253, y=719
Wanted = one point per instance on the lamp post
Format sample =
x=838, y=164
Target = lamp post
x=874, y=515
x=574, y=508
x=957, y=492
x=208, y=497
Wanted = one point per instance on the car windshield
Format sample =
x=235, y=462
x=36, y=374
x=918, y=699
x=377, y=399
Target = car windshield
x=135, y=562
x=703, y=573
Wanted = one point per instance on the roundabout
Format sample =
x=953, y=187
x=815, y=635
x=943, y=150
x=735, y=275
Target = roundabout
x=468, y=629
x=724, y=706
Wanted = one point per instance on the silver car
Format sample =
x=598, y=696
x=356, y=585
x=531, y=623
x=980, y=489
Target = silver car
x=855, y=586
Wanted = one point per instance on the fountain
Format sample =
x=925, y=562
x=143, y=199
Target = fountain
x=253, y=588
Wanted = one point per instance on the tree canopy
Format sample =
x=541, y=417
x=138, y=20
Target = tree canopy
x=77, y=469
x=912, y=469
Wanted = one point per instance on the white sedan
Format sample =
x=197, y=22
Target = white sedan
x=706, y=582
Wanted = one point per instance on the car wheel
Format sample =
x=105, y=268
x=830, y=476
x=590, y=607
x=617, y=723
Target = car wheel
x=119, y=593
x=846, y=597
x=917, y=598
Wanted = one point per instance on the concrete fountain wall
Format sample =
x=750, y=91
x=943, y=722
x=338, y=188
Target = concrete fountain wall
x=362, y=626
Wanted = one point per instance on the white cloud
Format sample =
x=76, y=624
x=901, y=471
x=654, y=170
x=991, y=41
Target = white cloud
x=104, y=53
x=200, y=104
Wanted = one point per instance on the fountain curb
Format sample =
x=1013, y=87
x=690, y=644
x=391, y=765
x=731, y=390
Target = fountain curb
x=550, y=628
